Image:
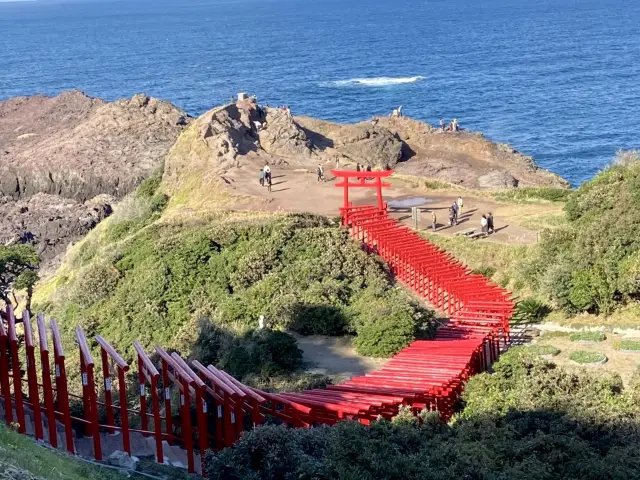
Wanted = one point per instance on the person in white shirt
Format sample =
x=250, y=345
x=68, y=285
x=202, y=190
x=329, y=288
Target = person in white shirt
x=483, y=223
x=460, y=203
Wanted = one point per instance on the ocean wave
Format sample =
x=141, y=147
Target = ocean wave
x=377, y=81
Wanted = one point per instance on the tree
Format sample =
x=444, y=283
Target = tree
x=18, y=270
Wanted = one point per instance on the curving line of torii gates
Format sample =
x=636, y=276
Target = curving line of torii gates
x=214, y=408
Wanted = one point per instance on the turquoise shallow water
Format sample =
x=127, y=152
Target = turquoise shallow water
x=558, y=79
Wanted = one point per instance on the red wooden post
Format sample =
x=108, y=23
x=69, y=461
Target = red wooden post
x=47, y=389
x=124, y=413
x=89, y=392
x=32, y=377
x=187, y=433
x=61, y=385
x=157, y=423
x=17, y=376
x=201, y=410
x=143, y=396
x=107, y=390
x=4, y=373
x=167, y=401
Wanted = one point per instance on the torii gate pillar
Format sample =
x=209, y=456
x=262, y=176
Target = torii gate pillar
x=360, y=180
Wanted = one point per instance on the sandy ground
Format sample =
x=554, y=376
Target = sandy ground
x=297, y=190
x=335, y=357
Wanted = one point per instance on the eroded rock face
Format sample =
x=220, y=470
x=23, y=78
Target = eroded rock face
x=50, y=222
x=283, y=137
x=369, y=145
x=78, y=147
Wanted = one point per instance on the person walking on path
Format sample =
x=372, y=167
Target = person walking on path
x=460, y=204
x=433, y=220
x=452, y=216
x=267, y=174
x=483, y=224
x=269, y=183
x=490, y=223
x=358, y=169
x=455, y=212
x=337, y=162
x=261, y=178
x=320, y=172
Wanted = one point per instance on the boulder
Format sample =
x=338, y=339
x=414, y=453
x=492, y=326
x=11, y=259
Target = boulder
x=122, y=460
x=497, y=179
x=369, y=145
x=282, y=136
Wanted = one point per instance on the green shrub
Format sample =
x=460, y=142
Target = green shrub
x=386, y=335
x=551, y=194
x=583, y=357
x=587, y=337
x=277, y=353
x=487, y=271
x=159, y=202
x=95, y=283
x=149, y=186
x=530, y=310
x=631, y=345
x=544, y=350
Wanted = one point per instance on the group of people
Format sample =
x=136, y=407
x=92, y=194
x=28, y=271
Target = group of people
x=486, y=223
x=452, y=127
x=265, y=177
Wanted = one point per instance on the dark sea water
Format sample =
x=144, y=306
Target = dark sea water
x=558, y=79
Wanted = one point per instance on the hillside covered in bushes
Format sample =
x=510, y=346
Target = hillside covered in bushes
x=199, y=287
x=528, y=420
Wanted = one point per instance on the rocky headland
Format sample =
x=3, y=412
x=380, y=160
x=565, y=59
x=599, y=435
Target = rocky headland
x=65, y=160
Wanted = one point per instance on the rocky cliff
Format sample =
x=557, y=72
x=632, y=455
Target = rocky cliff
x=58, y=154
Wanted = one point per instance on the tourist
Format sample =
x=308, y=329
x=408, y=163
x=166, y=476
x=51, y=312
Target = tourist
x=269, y=183
x=460, y=204
x=490, y=223
x=455, y=212
x=454, y=125
x=267, y=174
x=320, y=172
x=483, y=224
x=433, y=220
x=358, y=169
x=452, y=216
x=261, y=178
x=337, y=162
x=442, y=125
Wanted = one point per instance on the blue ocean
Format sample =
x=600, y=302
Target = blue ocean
x=558, y=79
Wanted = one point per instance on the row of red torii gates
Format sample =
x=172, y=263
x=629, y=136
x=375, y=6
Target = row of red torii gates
x=200, y=407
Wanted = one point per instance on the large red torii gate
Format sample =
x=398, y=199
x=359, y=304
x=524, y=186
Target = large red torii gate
x=362, y=180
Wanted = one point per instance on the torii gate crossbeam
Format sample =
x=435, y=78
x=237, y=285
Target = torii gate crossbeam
x=351, y=178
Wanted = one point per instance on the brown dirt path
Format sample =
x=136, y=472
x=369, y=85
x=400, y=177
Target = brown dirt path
x=296, y=189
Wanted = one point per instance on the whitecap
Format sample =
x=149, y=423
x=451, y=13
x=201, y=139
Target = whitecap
x=377, y=81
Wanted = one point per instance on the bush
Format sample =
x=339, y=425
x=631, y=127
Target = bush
x=630, y=345
x=159, y=202
x=530, y=310
x=587, y=337
x=95, y=283
x=277, y=353
x=485, y=270
x=585, y=357
x=386, y=335
x=544, y=350
x=149, y=186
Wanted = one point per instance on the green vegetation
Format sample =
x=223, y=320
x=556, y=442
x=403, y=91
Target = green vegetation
x=629, y=345
x=530, y=310
x=200, y=288
x=22, y=458
x=587, y=337
x=529, y=420
x=18, y=266
x=585, y=357
x=593, y=264
x=544, y=350
x=528, y=194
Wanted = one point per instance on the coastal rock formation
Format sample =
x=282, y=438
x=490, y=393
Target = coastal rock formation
x=50, y=222
x=79, y=147
x=281, y=136
x=56, y=153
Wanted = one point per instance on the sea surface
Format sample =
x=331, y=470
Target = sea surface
x=557, y=79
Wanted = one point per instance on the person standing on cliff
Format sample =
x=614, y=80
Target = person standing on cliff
x=442, y=125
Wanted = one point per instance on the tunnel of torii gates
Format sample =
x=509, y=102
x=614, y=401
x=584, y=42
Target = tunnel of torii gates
x=194, y=407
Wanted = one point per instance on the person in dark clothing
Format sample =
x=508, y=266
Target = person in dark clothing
x=490, y=223
x=455, y=212
x=358, y=169
x=269, y=182
x=452, y=216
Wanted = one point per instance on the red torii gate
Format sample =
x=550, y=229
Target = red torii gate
x=362, y=180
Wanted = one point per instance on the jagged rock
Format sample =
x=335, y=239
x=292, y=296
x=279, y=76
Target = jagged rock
x=50, y=222
x=370, y=145
x=79, y=147
x=497, y=179
x=283, y=137
x=123, y=460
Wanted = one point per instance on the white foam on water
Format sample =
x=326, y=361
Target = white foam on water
x=377, y=81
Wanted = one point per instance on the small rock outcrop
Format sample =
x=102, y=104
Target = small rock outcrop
x=370, y=145
x=282, y=136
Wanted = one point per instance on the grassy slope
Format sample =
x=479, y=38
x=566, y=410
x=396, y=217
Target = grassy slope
x=18, y=452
